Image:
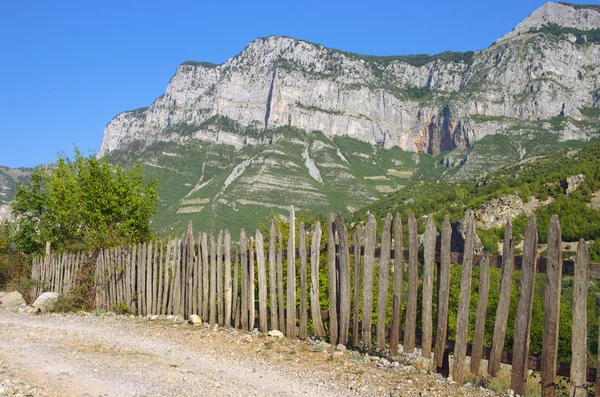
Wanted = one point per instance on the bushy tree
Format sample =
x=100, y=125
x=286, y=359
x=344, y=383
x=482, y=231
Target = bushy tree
x=83, y=203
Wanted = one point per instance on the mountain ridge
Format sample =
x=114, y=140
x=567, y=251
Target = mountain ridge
x=429, y=108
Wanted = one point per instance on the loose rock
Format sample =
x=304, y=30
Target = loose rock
x=195, y=320
x=46, y=302
x=12, y=301
x=276, y=333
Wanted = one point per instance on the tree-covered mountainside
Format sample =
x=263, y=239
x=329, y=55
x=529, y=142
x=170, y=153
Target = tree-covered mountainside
x=566, y=184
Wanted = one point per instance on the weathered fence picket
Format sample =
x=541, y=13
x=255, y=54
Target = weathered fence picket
x=302, y=333
x=524, y=309
x=551, y=308
x=413, y=276
x=397, y=287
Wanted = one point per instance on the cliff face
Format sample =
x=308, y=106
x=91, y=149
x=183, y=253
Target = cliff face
x=448, y=102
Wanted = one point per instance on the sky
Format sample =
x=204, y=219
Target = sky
x=68, y=67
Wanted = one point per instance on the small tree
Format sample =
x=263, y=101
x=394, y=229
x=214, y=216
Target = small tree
x=84, y=203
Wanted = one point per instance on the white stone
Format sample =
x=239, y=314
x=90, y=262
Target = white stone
x=195, y=320
x=276, y=334
x=46, y=302
x=12, y=301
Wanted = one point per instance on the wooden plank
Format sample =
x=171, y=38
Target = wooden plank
x=577, y=387
x=413, y=277
x=244, y=285
x=199, y=286
x=159, y=277
x=315, y=304
x=356, y=295
x=149, y=279
x=302, y=333
x=142, y=279
x=180, y=277
x=397, y=287
x=273, y=276
x=462, y=318
x=173, y=279
x=290, y=326
x=164, y=252
x=551, y=307
x=155, y=279
x=384, y=274
x=205, y=282
x=280, y=282
x=236, y=299
x=220, y=311
x=344, y=280
x=482, y=300
x=332, y=280
x=212, y=316
x=427, y=303
x=503, y=302
x=524, y=309
x=188, y=259
x=262, y=282
x=251, y=286
x=227, y=248
x=367, y=312
x=194, y=296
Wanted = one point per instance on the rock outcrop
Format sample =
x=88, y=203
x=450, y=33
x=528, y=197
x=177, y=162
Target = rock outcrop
x=415, y=103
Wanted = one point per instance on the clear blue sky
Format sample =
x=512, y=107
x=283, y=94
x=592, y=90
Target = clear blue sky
x=68, y=67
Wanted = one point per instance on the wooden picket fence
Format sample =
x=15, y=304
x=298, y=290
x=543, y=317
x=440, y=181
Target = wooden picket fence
x=205, y=277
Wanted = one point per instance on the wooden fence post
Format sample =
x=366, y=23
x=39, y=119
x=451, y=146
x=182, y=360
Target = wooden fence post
x=427, y=309
x=413, y=277
x=235, y=302
x=551, y=307
x=397, y=287
x=357, y=270
x=280, y=282
x=579, y=336
x=482, y=300
x=344, y=280
x=251, y=286
x=462, y=317
x=332, y=281
x=315, y=305
x=227, y=247
x=205, y=277
x=524, y=309
x=290, y=326
x=367, y=313
x=212, y=316
x=220, y=311
x=262, y=282
x=503, y=302
x=384, y=274
x=244, y=284
x=303, y=265
x=273, y=276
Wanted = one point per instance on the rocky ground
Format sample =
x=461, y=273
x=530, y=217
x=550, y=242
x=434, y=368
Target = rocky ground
x=92, y=355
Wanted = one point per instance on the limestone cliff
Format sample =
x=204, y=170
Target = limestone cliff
x=421, y=104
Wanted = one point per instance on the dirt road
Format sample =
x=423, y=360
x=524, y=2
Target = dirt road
x=71, y=355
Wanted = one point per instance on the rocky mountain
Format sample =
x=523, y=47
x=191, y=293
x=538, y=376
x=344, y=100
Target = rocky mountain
x=276, y=124
x=419, y=103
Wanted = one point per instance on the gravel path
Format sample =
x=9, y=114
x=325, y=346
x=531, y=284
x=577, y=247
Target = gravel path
x=71, y=355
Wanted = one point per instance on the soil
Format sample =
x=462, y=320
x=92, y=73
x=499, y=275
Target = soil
x=91, y=355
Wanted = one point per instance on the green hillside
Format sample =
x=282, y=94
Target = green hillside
x=539, y=178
